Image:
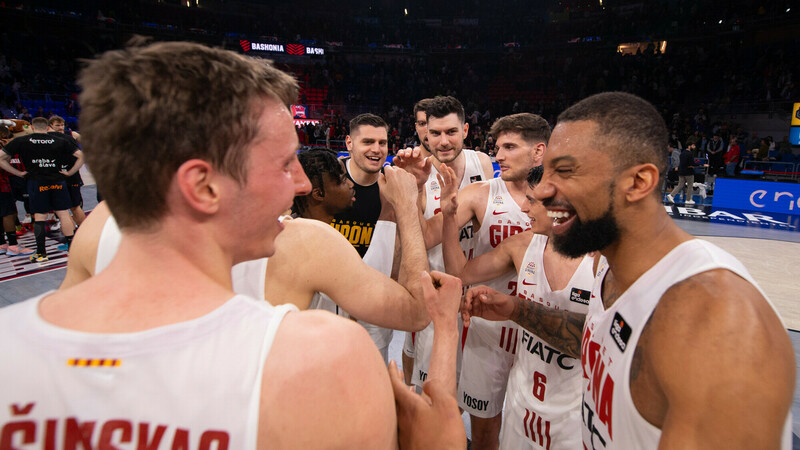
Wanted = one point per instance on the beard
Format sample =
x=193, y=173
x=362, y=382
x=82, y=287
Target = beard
x=589, y=236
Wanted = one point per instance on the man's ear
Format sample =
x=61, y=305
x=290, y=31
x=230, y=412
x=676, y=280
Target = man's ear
x=317, y=194
x=640, y=181
x=199, y=184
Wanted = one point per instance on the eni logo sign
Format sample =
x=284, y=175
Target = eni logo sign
x=758, y=197
x=761, y=196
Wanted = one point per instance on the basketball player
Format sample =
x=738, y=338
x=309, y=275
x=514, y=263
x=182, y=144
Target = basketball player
x=421, y=126
x=45, y=157
x=542, y=402
x=678, y=338
x=74, y=182
x=157, y=347
x=446, y=132
x=494, y=208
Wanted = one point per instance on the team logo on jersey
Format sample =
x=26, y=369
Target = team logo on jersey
x=620, y=331
x=580, y=296
x=498, y=200
x=530, y=269
x=475, y=178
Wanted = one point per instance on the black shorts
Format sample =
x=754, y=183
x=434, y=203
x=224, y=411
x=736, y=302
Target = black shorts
x=8, y=205
x=75, y=195
x=20, y=188
x=46, y=196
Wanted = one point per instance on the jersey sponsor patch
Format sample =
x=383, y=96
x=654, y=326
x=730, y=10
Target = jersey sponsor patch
x=620, y=331
x=498, y=200
x=530, y=269
x=475, y=178
x=580, y=296
x=435, y=186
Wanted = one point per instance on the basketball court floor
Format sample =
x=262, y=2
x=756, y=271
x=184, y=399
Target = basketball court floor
x=771, y=255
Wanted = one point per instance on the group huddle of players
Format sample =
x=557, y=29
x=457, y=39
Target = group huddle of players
x=588, y=317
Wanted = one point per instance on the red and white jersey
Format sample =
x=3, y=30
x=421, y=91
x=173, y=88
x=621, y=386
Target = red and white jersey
x=247, y=278
x=610, y=336
x=503, y=218
x=193, y=384
x=473, y=172
x=543, y=398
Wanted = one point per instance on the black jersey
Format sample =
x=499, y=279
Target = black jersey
x=76, y=177
x=358, y=222
x=43, y=155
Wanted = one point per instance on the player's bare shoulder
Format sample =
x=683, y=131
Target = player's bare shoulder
x=325, y=370
x=486, y=164
x=721, y=333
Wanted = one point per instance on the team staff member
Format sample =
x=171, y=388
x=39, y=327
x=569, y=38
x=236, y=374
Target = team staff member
x=44, y=155
x=680, y=347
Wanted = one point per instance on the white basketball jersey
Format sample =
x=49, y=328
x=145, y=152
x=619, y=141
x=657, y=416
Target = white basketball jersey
x=423, y=340
x=543, y=398
x=193, y=384
x=503, y=218
x=248, y=278
x=473, y=172
x=610, y=336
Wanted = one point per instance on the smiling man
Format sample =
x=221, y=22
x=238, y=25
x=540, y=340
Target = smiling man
x=671, y=318
x=368, y=146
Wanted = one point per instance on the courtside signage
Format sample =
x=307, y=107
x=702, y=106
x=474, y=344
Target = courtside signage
x=748, y=195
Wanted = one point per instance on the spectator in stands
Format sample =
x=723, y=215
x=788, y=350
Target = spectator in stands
x=732, y=157
x=716, y=161
x=762, y=154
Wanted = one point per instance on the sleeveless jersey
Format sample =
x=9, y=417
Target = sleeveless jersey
x=543, y=400
x=357, y=223
x=193, y=384
x=423, y=339
x=248, y=277
x=488, y=346
x=610, y=418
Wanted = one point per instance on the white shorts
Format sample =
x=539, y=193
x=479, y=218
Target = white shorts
x=489, y=350
x=523, y=428
x=408, y=345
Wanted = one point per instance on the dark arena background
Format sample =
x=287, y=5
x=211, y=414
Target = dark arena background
x=716, y=70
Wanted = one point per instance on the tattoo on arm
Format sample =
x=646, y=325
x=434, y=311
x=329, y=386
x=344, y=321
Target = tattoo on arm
x=562, y=329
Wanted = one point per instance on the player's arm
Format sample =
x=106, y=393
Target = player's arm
x=399, y=189
x=561, y=329
x=5, y=163
x=78, y=163
x=83, y=251
x=325, y=386
x=433, y=420
x=315, y=257
x=719, y=363
x=487, y=266
x=486, y=165
x=467, y=200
